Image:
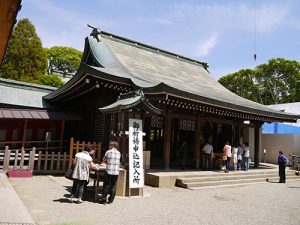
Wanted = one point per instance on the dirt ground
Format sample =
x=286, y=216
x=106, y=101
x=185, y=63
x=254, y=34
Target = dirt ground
x=267, y=203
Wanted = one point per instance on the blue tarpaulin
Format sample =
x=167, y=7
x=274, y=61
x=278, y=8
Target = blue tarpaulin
x=279, y=128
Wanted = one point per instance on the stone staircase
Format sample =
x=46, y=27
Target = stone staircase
x=233, y=178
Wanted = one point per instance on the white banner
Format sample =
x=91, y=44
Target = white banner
x=136, y=171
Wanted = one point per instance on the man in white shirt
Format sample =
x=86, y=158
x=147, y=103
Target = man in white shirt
x=112, y=159
x=246, y=156
x=208, y=150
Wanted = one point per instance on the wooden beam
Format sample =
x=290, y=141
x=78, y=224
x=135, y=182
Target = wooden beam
x=183, y=116
x=62, y=128
x=71, y=151
x=256, y=146
x=167, y=140
x=24, y=133
x=197, y=145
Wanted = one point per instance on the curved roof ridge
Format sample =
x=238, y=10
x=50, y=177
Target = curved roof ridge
x=110, y=60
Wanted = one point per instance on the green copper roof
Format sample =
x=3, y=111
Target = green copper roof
x=129, y=101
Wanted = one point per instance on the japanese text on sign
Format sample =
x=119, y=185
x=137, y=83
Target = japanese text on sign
x=136, y=172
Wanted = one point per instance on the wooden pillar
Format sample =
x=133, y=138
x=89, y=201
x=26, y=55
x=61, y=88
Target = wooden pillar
x=167, y=140
x=256, y=145
x=71, y=151
x=24, y=133
x=62, y=128
x=238, y=133
x=197, y=145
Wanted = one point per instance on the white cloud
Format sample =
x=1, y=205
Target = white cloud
x=162, y=20
x=269, y=17
x=57, y=25
x=204, y=47
x=234, y=16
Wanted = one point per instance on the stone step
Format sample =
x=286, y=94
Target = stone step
x=243, y=184
x=233, y=175
x=225, y=177
x=232, y=178
x=230, y=182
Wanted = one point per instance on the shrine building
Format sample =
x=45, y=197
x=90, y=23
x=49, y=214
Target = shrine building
x=176, y=97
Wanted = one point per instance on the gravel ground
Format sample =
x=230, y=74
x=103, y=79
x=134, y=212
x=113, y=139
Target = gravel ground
x=264, y=203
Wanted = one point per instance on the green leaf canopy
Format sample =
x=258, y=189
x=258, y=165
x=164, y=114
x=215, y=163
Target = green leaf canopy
x=25, y=59
x=277, y=81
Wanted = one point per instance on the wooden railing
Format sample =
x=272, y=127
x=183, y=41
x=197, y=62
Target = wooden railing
x=56, y=145
x=41, y=162
x=76, y=146
x=15, y=159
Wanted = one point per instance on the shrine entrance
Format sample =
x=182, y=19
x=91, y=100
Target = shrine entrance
x=182, y=148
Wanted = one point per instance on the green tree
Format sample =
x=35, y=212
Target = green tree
x=242, y=83
x=64, y=58
x=277, y=81
x=26, y=58
x=50, y=80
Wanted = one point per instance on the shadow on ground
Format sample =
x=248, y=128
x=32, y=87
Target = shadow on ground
x=89, y=195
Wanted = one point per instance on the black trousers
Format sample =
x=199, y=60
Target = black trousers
x=282, y=173
x=207, y=161
x=109, y=187
x=78, y=188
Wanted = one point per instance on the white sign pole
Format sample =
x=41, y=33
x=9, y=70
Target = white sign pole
x=136, y=168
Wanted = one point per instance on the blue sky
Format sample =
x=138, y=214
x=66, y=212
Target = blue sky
x=219, y=32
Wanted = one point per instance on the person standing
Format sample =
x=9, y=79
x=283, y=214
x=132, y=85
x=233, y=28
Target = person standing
x=282, y=162
x=112, y=159
x=239, y=157
x=82, y=163
x=246, y=156
x=227, y=153
x=183, y=154
x=208, y=151
x=234, y=156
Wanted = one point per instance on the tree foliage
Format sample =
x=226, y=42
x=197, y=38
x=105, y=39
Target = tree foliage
x=50, y=80
x=25, y=59
x=243, y=84
x=64, y=58
x=277, y=81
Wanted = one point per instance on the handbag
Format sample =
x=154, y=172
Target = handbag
x=69, y=174
x=224, y=157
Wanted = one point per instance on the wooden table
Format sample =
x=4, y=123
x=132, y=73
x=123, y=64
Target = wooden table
x=121, y=183
x=98, y=174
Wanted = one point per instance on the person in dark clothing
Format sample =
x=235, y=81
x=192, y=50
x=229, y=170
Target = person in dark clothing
x=183, y=154
x=282, y=162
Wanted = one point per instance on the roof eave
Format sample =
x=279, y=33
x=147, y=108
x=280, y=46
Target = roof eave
x=169, y=91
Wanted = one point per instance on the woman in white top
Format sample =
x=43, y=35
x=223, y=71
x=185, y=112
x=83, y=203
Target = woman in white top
x=227, y=152
x=234, y=156
x=82, y=163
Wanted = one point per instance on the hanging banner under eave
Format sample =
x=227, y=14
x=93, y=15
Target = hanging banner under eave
x=136, y=171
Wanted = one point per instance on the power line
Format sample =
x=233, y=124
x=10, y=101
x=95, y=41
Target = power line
x=254, y=12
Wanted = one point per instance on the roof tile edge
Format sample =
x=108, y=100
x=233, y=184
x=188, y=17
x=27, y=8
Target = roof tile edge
x=25, y=85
